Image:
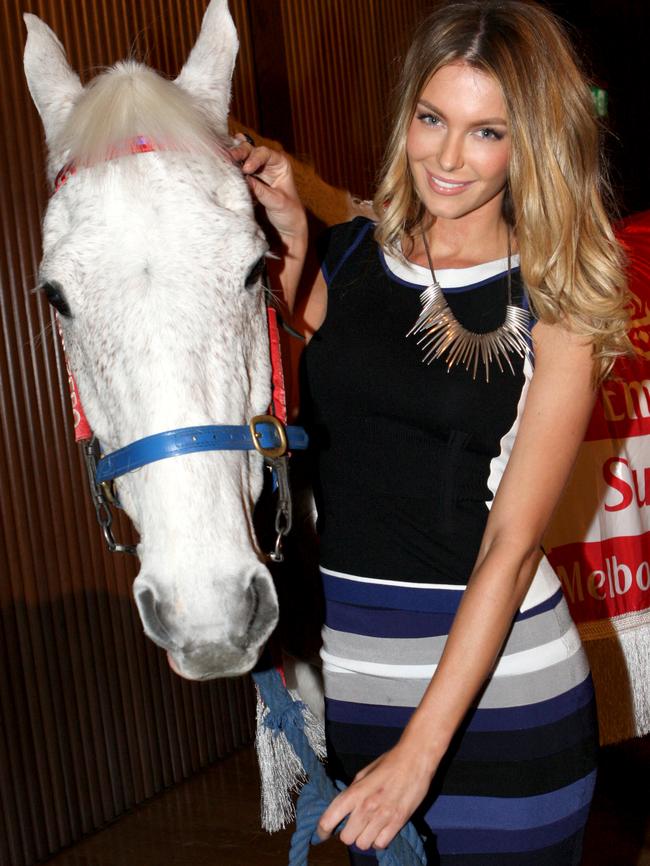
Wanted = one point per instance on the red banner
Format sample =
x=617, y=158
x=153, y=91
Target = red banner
x=623, y=406
x=604, y=578
x=599, y=540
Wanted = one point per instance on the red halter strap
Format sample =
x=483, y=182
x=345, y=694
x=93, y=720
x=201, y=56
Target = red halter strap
x=82, y=431
x=278, y=393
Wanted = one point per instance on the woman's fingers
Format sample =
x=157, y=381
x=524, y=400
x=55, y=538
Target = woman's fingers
x=374, y=821
x=337, y=810
x=261, y=159
x=269, y=176
x=378, y=832
x=241, y=149
x=271, y=166
x=273, y=187
x=366, y=819
x=388, y=833
x=270, y=199
x=371, y=823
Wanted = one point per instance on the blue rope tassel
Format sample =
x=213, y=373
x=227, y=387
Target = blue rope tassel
x=285, y=715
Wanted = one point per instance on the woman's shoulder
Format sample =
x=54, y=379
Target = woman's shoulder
x=338, y=243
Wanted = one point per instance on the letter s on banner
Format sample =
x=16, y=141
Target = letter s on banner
x=619, y=484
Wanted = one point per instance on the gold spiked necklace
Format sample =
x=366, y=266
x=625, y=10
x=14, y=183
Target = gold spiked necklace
x=442, y=335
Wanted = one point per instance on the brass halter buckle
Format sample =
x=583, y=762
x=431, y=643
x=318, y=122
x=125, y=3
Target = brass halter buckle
x=276, y=458
x=275, y=451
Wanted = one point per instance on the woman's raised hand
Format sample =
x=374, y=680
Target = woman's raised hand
x=270, y=178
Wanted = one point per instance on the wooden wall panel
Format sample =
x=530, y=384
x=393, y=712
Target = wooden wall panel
x=342, y=62
x=91, y=719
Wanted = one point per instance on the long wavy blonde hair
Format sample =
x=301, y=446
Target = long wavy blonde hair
x=571, y=263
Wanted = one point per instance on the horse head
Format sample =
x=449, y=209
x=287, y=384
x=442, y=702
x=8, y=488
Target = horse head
x=151, y=261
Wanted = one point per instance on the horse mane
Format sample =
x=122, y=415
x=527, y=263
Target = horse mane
x=129, y=100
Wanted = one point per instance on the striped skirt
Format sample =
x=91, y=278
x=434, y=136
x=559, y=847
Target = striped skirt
x=515, y=786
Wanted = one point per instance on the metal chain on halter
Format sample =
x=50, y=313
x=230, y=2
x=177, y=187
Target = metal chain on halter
x=283, y=513
x=103, y=498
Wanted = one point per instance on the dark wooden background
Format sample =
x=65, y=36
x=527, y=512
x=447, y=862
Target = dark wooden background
x=91, y=720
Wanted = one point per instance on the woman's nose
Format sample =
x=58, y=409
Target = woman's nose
x=451, y=154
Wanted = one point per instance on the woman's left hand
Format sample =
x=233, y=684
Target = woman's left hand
x=380, y=800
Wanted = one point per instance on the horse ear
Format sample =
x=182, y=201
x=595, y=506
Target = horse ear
x=53, y=84
x=208, y=70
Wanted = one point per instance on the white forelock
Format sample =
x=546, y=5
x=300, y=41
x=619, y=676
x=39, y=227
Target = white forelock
x=129, y=100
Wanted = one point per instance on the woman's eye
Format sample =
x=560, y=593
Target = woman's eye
x=255, y=273
x=490, y=134
x=56, y=297
x=429, y=119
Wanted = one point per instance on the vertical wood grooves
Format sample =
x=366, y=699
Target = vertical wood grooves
x=340, y=70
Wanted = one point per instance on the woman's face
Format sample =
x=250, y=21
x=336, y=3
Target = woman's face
x=458, y=144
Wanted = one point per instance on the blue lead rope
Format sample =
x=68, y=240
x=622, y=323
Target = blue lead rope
x=406, y=849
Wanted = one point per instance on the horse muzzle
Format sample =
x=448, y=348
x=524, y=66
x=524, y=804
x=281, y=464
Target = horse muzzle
x=235, y=647
x=213, y=661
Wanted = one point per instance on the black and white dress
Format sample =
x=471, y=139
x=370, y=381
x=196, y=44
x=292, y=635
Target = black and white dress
x=408, y=459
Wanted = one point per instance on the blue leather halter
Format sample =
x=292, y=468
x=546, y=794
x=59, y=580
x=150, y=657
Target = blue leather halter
x=260, y=435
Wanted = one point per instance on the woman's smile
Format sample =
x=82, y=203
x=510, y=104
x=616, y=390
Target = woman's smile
x=447, y=187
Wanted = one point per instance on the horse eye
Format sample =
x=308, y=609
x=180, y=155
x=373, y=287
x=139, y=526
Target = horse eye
x=255, y=272
x=56, y=297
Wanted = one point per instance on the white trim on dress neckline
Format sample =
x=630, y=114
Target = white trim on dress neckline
x=449, y=278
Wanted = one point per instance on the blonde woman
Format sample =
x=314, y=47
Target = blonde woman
x=451, y=372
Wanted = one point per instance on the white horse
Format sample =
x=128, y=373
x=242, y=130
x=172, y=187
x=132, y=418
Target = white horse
x=151, y=260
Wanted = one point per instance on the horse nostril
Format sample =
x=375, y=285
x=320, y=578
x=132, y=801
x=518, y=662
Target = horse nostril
x=260, y=613
x=255, y=601
x=264, y=608
x=153, y=626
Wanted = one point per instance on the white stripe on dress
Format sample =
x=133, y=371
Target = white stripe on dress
x=527, y=661
x=401, y=584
